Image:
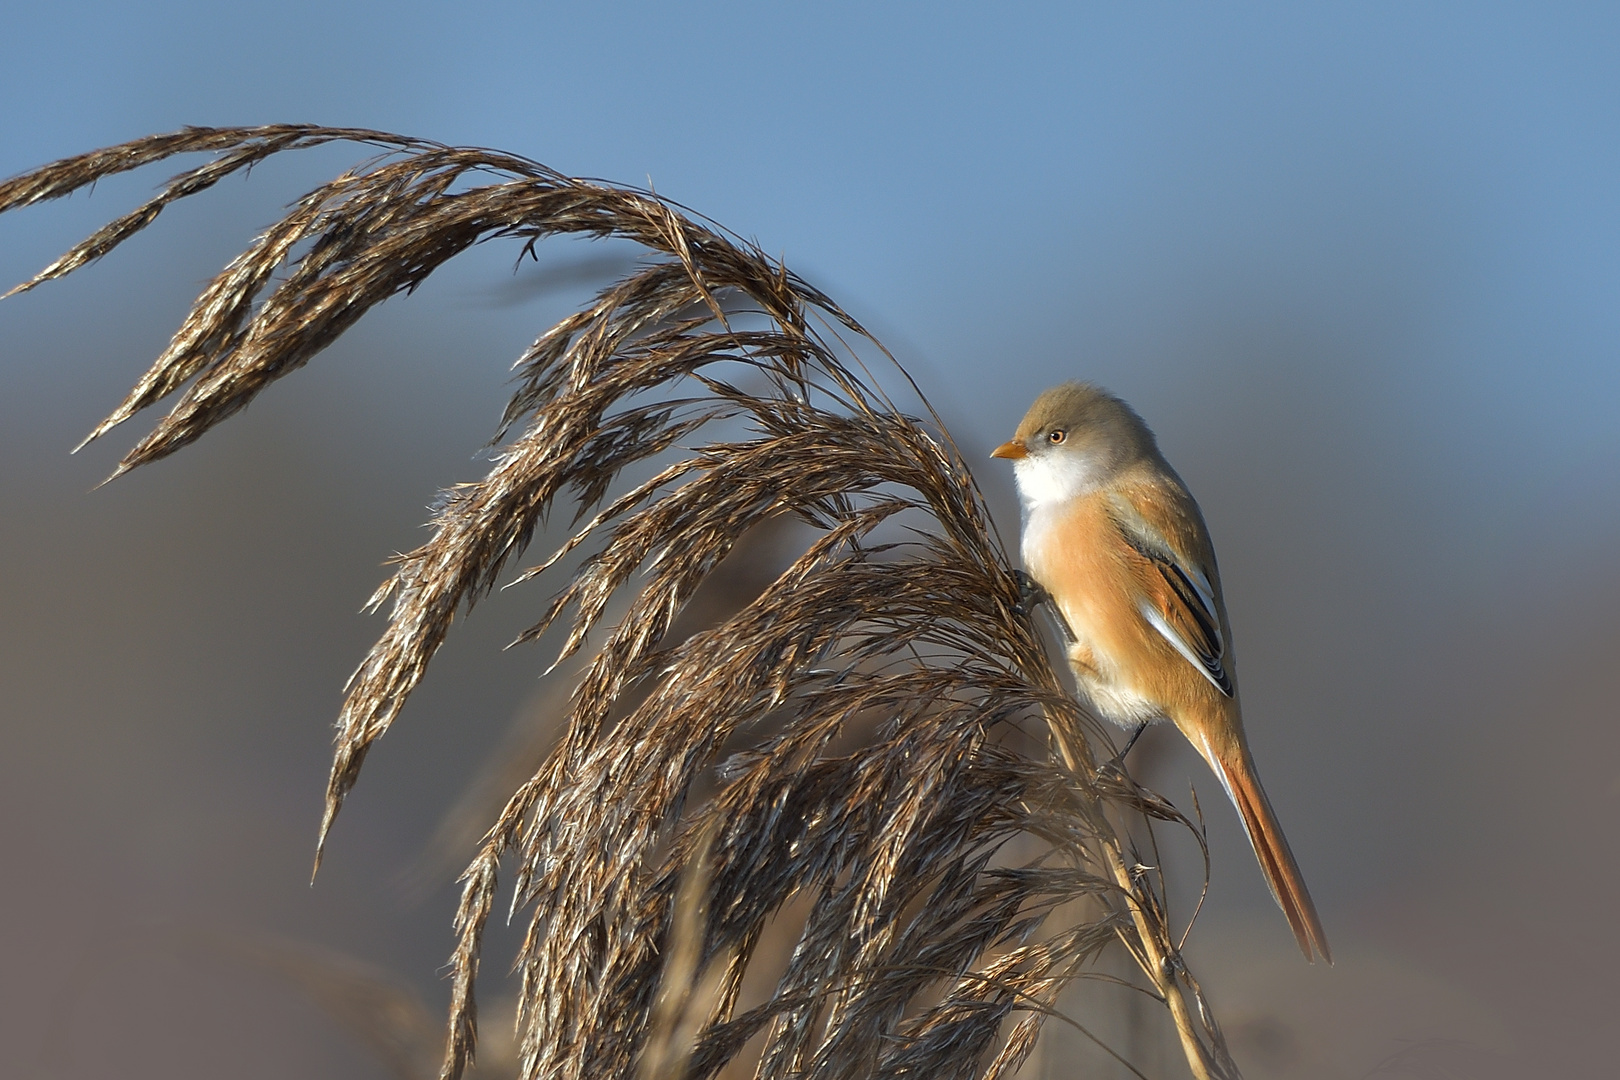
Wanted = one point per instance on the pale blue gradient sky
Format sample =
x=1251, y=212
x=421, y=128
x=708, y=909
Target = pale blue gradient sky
x=1020, y=187
x=1357, y=264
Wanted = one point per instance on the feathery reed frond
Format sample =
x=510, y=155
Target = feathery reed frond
x=852, y=744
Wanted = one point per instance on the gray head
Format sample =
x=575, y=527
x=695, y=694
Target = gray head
x=1075, y=438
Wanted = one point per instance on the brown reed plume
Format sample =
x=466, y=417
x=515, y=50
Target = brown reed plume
x=851, y=749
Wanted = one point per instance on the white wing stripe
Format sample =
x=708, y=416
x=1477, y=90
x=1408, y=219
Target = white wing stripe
x=1206, y=595
x=1152, y=543
x=1158, y=622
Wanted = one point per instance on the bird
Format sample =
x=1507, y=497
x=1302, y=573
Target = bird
x=1118, y=546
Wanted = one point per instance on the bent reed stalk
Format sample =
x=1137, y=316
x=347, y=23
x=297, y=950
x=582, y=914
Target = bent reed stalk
x=925, y=865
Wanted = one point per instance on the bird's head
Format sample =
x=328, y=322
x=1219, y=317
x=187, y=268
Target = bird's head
x=1074, y=439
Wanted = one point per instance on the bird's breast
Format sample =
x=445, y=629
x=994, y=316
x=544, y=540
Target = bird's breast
x=1076, y=553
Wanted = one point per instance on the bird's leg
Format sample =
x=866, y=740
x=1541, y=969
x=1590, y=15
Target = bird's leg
x=1137, y=734
x=1116, y=764
x=1031, y=595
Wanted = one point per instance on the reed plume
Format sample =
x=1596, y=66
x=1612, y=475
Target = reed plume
x=876, y=745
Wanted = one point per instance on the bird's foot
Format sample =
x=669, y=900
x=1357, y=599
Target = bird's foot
x=1116, y=764
x=1030, y=593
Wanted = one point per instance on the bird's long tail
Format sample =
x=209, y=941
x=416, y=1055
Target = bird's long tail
x=1236, y=772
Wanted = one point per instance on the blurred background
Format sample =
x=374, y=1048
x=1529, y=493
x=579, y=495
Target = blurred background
x=1356, y=264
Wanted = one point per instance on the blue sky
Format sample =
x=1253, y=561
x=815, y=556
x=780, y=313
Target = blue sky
x=1059, y=189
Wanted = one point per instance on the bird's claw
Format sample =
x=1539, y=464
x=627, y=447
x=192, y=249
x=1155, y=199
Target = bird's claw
x=1030, y=593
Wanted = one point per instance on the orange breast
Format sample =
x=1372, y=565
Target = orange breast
x=1098, y=580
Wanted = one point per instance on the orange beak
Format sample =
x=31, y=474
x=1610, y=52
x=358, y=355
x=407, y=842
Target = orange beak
x=1012, y=451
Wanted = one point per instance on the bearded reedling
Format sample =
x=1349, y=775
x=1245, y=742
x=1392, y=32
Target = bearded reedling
x=1118, y=544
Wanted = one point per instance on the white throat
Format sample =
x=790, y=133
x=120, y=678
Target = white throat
x=1054, y=477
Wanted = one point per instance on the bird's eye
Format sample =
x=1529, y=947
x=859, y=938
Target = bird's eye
x=1056, y=436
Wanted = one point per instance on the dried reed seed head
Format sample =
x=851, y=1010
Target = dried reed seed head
x=929, y=855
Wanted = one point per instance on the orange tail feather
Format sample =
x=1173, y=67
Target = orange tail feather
x=1237, y=775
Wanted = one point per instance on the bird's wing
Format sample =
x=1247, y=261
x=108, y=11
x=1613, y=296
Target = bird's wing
x=1180, y=598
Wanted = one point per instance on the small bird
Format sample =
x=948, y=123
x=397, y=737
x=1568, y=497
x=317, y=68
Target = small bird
x=1116, y=541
